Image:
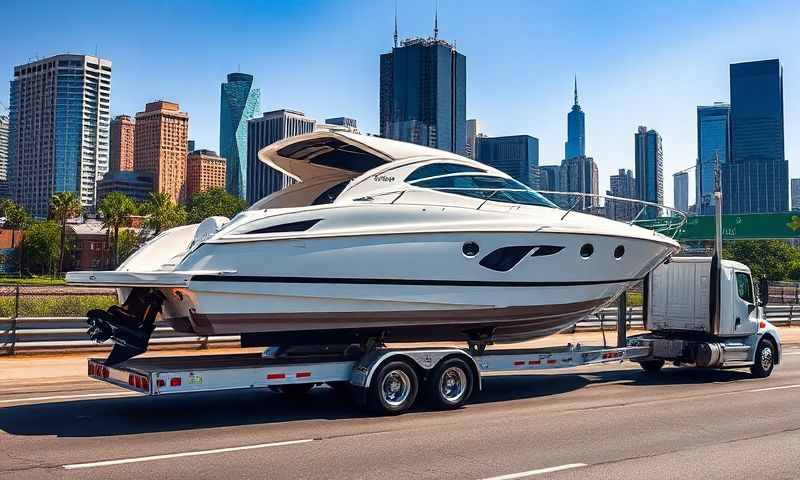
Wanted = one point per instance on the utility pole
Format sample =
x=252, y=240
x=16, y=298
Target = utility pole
x=716, y=260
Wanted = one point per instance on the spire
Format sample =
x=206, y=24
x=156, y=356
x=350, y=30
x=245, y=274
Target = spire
x=576, y=89
x=395, y=23
x=436, y=22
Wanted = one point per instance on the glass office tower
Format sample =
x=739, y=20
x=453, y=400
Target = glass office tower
x=516, y=155
x=239, y=102
x=713, y=139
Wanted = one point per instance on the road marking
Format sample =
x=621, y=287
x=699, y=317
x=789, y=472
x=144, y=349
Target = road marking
x=530, y=473
x=64, y=397
x=791, y=353
x=151, y=458
x=782, y=387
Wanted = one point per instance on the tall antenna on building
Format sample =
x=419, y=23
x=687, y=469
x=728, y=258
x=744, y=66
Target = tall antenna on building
x=576, y=89
x=436, y=22
x=395, y=23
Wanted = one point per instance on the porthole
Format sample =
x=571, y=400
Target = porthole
x=470, y=249
x=587, y=250
x=619, y=252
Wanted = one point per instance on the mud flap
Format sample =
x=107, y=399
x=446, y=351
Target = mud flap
x=129, y=326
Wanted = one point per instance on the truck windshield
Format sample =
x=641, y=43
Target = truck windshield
x=744, y=287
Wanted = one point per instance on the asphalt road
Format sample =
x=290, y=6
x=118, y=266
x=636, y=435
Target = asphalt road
x=598, y=422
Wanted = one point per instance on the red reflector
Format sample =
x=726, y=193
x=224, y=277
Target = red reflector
x=275, y=376
x=303, y=374
x=534, y=362
x=160, y=383
x=175, y=382
x=551, y=362
x=762, y=324
x=518, y=363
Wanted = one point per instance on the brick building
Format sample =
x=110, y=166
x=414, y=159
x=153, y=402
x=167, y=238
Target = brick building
x=122, y=137
x=204, y=170
x=160, y=143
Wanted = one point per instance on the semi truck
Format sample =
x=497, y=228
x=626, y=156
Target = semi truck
x=689, y=323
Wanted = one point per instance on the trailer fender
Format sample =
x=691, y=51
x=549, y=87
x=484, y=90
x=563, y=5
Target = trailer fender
x=424, y=359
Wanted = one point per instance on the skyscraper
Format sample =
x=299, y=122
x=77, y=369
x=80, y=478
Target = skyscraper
x=123, y=131
x=680, y=190
x=59, y=129
x=579, y=174
x=623, y=185
x=550, y=178
x=239, y=102
x=162, y=132
x=423, y=94
x=516, y=155
x=204, y=170
x=796, y=194
x=649, y=168
x=473, y=131
x=757, y=177
x=713, y=140
x=576, y=129
x=349, y=123
x=262, y=179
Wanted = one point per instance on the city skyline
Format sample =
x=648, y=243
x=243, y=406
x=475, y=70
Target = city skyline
x=620, y=87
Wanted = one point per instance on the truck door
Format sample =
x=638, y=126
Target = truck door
x=744, y=308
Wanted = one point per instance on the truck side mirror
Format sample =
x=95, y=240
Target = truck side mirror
x=750, y=307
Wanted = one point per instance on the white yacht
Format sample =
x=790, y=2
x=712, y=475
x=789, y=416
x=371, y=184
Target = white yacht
x=382, y=240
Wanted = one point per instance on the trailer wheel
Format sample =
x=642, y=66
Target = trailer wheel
x=765, y=359
x=652, y=366
x=450, y=385
x=393, y=389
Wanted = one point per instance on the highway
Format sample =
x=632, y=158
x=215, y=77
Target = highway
x=594, y=422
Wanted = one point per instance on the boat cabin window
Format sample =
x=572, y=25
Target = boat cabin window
x=332, y=152
x=486, y=187
x=438, y=169
x=329, y=195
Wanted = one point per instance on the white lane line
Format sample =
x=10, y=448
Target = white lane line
x=782, y=387
x=183, y=454
x=530, y=473
x=791, y=353
x=63, y=397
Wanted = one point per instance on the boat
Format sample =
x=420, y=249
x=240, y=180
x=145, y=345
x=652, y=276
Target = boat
x=376, y=241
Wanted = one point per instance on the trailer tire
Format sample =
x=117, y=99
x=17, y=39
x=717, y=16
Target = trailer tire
x=764, y=360
x=450, y=385
x=652, y=366
x=393, y=389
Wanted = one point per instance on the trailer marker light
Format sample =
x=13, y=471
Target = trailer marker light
x=161, y=383
x=175, y=382
x=762, y=324
x=534, y=362
x=302, y=374
x=276, y=376
x=551, y=362
x=518, y=363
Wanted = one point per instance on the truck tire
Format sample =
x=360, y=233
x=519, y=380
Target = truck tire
x=393, y=389
x=764, y=359
x=450, y=385
x=652, y=366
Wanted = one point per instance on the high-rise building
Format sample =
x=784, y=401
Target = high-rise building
x=239, y=102
x=796, y=194
x=350, y=123
x=576, y=129
x=262, y=179
x=649, y=168
x=680, y=190
x=713, y=141
x=423, y=94
x=757, y=177
x=160, y=143
x=59, y=129
x=623, y=185
x=137, y=186
x=516, y=155
x=204, y=170
x=123, y=131
x=579, y=174
x=550, y=178
x=473, y=131
x=190, y=146
x=3, y=147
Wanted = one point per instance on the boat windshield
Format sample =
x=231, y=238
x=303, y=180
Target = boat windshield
x=487, y=187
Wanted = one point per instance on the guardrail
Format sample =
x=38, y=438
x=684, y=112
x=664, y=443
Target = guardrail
x=62, y=333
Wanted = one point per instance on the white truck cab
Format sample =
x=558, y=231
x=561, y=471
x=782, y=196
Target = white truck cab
x=680, y=310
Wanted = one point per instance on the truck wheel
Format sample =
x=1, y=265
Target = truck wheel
x=450, y=385
x=393, y=389
x=652, y=366
x=765, y=359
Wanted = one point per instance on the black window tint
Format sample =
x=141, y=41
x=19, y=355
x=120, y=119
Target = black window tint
x=436, y=169
x=287, y=227
x=744, y=287
x=504, y=259
x=329, y=195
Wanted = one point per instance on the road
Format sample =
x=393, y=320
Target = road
x=595, y=422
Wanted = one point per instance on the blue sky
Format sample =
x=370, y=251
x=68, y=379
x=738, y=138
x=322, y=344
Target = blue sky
x=638, y=63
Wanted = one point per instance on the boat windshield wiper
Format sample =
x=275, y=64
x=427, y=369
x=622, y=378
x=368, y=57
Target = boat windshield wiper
x=571, y=208
x=488, y=198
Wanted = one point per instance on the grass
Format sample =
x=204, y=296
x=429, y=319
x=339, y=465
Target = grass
x=55, y=305
x=35, y=280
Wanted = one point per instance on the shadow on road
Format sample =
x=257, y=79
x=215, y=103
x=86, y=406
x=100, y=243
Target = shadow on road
x=135, y=415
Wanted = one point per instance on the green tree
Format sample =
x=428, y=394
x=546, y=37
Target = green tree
x=774, y=258
x=116, y=208
x=63, y=206
x=161, y=213
x=129, y=242
x=214, y=202
x=16, y=219
x=41, y=246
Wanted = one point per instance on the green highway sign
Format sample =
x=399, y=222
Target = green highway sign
x=751, y=226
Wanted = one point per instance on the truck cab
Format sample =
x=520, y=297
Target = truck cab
x=690, y=326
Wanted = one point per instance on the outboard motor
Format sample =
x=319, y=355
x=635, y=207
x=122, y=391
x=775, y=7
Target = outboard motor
x=129, y=325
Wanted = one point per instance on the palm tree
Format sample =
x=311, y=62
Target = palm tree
x=63, y=206
x=116, y=208
x=16, y=218
x=161, y=213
